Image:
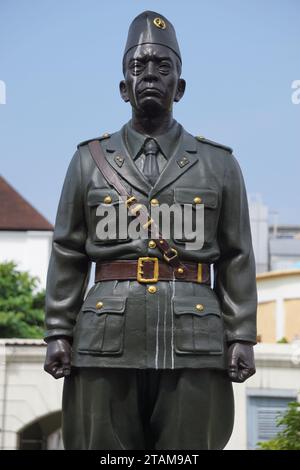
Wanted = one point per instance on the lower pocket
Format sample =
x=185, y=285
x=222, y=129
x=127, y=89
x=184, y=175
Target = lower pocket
x=198, y=326
x=100, y=330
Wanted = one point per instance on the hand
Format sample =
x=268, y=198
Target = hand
x=241, y=363
x=58, y=358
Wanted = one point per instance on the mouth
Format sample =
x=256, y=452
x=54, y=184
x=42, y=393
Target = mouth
x=150, y=91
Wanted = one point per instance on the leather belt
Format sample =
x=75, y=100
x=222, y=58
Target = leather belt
x=146, y=269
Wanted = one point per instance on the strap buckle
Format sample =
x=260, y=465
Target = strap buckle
x=168, y=259
x=140, y=272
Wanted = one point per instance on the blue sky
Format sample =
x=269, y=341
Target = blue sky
x=61, y=62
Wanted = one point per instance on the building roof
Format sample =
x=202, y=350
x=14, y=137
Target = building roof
x=16, y=213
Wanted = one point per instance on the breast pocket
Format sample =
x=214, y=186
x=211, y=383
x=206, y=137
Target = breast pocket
x=100, y=326
x=198, y=326
x=189, y=199
x=107, y=216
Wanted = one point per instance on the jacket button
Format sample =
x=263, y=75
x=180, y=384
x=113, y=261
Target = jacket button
x=152, y=244
x=152, y=289
x=197, y=200
x=107, y=200
x=99, y=305
x=200, y=307
x=154, y=202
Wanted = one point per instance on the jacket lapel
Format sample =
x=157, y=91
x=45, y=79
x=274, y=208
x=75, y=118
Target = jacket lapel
x=181, y=161
x=117, y=156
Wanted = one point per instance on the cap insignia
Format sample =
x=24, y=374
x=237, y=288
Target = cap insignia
x=159, y=23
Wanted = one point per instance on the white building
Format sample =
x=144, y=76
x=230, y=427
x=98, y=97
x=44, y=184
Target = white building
x=25, y=235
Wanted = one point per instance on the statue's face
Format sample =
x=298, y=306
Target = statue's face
x=152, y=79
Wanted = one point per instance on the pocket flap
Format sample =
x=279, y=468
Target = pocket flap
x=208, y=197
x=200, y=306
x=97, y=196
x=101, y=305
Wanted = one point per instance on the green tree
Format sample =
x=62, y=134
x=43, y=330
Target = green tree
x=289, y=437
x=21, y=304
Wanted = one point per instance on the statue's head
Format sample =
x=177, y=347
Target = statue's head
x=152, y=65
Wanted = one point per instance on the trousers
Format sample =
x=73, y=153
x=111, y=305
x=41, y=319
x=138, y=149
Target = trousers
x=141, y=409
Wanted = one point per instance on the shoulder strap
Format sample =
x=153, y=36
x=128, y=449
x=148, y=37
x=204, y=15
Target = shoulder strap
x=109, y=174
x=202, y=139
x=138, y=210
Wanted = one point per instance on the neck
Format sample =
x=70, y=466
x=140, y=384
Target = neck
x=152, y=126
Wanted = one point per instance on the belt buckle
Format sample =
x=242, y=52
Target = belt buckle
x=140, y=273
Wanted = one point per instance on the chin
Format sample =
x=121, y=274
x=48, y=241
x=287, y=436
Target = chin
x=151, y=106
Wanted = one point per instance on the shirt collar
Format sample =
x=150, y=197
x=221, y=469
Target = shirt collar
x=167, y=142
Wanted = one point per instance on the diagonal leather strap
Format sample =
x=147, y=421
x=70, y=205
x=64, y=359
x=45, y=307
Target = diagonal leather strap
x=109, y=174
x=138, y=210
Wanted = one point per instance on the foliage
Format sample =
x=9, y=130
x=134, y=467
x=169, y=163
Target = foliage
x=21, y=304
x=283, y=340
x=289, y=437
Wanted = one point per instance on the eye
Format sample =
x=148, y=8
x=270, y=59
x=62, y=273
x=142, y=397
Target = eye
x=136, y=67
x=164, y=67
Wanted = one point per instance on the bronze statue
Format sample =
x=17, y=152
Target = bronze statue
x=149, y=354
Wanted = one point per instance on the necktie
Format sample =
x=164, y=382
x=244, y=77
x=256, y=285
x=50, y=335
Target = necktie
x=150, y=168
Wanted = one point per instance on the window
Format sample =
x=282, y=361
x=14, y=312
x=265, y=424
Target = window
x=263, y=412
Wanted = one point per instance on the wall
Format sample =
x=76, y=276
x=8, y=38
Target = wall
x=29, y=249
x=27, y=393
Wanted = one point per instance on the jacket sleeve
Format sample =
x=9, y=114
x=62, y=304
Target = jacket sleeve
x=235, y=277
x=69, y=266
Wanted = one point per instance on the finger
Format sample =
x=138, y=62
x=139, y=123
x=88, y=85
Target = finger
x=233, y=378
x=233, y=372
x=54, y=373
x=66, y=366
x=66, y=371
x=59, y=373
x=245, y=373
x=54, y=370
x=50, y=368
x=63, y=371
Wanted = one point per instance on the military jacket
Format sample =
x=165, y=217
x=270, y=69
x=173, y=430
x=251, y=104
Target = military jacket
x=135, y=328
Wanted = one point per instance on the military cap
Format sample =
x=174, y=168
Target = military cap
x=152, y=28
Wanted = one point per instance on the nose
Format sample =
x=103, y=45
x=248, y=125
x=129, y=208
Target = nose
x=150, y=71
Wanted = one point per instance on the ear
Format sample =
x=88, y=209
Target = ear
x=123, y=91
x=180, y=90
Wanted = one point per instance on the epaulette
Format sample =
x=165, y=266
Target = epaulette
x=102, y=137
x=215, y=144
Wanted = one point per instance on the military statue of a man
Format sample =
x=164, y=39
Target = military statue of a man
x=150, y=352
